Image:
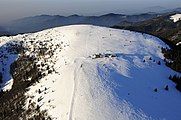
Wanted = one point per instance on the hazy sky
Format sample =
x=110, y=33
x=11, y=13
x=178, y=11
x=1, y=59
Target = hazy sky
x=13, y=9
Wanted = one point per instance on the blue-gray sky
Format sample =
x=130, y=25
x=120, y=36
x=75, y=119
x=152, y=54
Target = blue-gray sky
x=13, y=9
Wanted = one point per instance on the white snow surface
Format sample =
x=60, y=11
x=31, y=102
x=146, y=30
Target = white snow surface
x=176, y=17
x=106, y=88
x=179, y=43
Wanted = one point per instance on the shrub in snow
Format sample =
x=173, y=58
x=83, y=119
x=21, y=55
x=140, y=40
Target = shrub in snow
x=159, y=63
x=166, y=88
x=110, y=55
x=176, y=79
x=156, y=90
x=173, y=57
x=40, y=98
x=39, y=91
x=50, y=71
x=97, y=56
x=38, y=108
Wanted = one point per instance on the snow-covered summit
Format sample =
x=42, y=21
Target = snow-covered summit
x=102, y=74
x=176, y=17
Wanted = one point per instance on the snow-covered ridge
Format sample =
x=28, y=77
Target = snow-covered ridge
x=176, y=17
x=102, y=74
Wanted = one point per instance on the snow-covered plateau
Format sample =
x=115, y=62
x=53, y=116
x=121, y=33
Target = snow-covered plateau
x=100, y=74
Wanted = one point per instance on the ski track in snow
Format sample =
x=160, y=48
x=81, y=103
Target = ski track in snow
x=76, y=78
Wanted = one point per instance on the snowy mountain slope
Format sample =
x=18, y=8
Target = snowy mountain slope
x=164, y=28
x=7, y=57
x=101, y=74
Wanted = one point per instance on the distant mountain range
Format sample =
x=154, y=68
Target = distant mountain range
x=3, y=31
x=41, y=22
x=159, y=9
x=38, y=23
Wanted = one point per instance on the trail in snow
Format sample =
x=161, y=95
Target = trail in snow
x=76, y=79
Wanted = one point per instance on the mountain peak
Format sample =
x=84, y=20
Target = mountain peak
x=112, y=14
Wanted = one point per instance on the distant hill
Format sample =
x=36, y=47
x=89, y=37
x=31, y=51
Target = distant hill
x=38, y=23
x=159, y=9
x=3, y=31
x=161, y=26
x=155, y=9
x=172, y=10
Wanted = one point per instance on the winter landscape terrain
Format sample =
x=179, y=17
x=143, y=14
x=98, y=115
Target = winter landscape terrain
x=87, y=72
